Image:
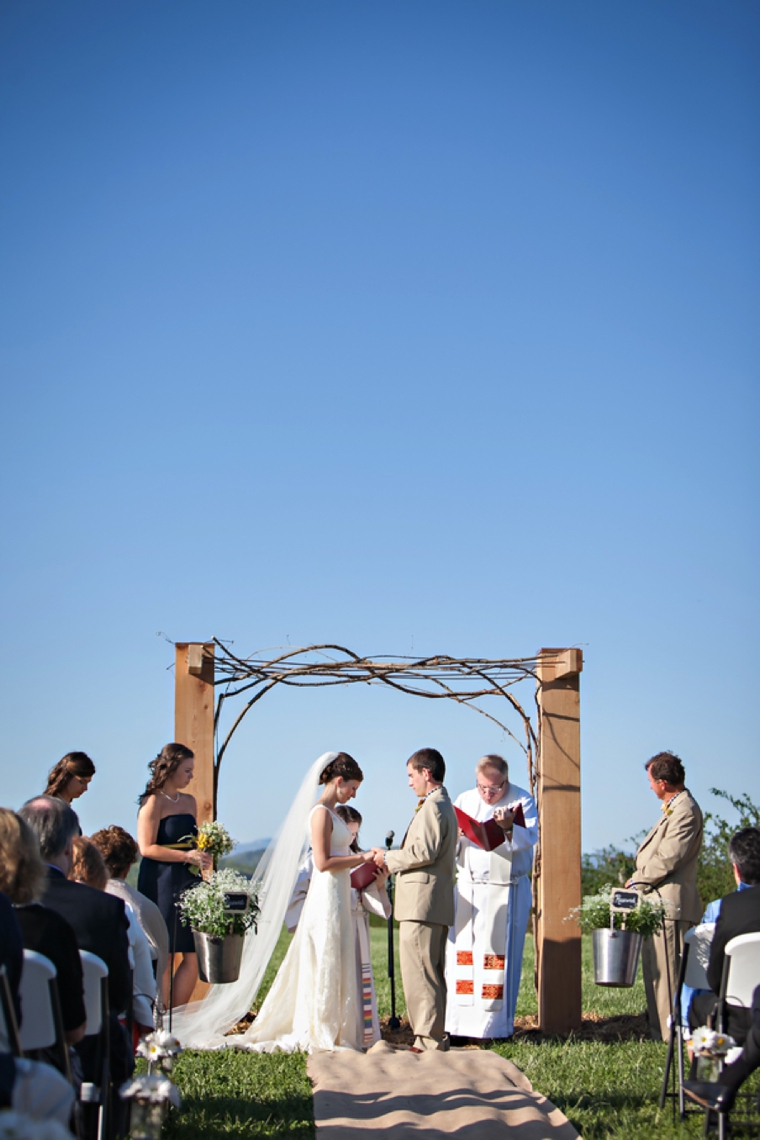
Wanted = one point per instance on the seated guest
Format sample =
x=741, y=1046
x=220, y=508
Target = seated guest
x=70, y=778
x=22, y=878
x=709, y=918
x=120, y=851
x=27, y=1086
x=739, y=914
x=88, y=867
x=99, y=923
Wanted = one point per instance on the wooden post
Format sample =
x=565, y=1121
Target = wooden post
x=558, y=943
x=194, y=717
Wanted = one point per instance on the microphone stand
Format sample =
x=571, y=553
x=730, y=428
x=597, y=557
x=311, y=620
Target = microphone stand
x=393, y=1021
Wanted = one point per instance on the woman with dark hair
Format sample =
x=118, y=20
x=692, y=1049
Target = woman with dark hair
x=71, y=776
x=166, y=831
x=314, y=1002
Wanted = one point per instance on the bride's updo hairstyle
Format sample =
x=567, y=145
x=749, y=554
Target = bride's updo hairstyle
x=343, y=765
x=165, y=765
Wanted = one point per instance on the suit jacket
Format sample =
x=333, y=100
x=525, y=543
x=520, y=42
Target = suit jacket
x=46, y=932
x=99, y=922
x=425, y=864
x=739, y=914
x=667, y=859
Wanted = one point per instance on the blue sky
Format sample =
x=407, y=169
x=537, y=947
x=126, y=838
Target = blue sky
x=415, y=326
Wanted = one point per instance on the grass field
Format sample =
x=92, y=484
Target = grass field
x=606, y=1088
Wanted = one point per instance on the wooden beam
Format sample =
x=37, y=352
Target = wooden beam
x=558, y=943
x=194, y=717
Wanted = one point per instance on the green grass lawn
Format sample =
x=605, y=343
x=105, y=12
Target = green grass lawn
x=607, y=1089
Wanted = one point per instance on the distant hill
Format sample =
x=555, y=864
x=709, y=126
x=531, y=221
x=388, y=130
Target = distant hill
x=245, y=858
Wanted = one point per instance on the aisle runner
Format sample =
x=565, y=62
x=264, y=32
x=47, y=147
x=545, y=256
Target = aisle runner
x=470, y=1093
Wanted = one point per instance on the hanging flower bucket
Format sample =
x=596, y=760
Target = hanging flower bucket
x=219, y=911
x=618, y=920
x=616, y=957
x=218, y=958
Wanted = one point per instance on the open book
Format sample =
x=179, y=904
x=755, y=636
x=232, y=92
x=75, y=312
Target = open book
x=487, y=835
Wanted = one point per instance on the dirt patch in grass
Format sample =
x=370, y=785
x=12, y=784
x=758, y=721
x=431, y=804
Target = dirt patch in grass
x=594, y=1027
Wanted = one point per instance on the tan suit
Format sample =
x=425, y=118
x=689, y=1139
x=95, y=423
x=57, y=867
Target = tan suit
x=667, y=861
x=424, y=907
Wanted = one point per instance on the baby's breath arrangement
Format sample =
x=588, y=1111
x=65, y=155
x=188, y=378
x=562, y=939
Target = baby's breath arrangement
x=594, y=914
x=204, y=907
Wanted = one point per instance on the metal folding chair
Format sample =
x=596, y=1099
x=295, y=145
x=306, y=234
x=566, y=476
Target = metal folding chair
x=10, y=1039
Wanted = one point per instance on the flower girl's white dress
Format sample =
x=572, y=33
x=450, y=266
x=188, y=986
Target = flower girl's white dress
x=314, y=1002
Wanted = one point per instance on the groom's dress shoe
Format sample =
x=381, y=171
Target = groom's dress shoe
x=710, y=1094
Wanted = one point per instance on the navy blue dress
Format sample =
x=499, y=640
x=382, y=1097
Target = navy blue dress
x=163, y=883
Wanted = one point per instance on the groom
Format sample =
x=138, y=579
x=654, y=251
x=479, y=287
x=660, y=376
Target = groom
x=425, y=897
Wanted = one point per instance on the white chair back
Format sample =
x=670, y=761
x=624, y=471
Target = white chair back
x=37, y=1020
x=699, y=939
x=743, y=953
x=94, y=970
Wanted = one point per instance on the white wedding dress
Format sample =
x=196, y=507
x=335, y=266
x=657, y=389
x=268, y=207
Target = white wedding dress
x=314, y=1001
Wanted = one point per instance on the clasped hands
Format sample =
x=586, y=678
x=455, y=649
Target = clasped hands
x=378, y=857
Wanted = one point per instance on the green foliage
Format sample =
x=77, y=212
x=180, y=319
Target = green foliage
x=608, y=865
x=594, y=914
x=715, y=876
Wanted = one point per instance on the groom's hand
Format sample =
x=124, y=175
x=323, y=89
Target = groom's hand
x=378, y=854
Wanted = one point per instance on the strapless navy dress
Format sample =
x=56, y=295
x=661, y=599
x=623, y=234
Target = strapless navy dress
x=163, y=883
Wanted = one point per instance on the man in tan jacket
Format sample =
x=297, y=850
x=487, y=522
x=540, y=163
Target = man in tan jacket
x=424, y=907
x=667, y=862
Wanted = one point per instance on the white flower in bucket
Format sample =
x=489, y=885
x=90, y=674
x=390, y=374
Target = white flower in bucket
x=159, y=1048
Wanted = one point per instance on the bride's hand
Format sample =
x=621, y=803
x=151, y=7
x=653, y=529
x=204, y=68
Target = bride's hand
x=368, y=857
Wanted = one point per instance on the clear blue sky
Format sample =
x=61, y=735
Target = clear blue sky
x=419, y=326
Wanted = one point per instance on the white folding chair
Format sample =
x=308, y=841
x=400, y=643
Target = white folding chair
x=95, y=977
x=741, y=973
x=42, y=1022
x=692, y=973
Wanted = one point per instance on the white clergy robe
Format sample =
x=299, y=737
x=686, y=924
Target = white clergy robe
x=493, y=900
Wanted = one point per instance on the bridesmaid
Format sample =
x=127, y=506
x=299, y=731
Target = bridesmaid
x=166, y=830
x=71, y=777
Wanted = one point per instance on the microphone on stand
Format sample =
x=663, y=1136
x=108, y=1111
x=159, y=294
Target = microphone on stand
x=393, y=1021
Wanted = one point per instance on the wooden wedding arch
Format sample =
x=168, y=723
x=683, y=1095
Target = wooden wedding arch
x=550, y=743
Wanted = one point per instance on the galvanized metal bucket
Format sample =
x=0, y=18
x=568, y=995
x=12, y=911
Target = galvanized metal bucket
x=218, y=958
x=616, y=957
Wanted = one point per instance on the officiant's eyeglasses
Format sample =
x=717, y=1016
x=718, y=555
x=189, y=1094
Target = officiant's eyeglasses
x=491, y=787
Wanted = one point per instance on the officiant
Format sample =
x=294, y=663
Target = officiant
x=493, y=900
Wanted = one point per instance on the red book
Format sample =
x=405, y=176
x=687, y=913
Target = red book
x=363, y=875
x=487, y=835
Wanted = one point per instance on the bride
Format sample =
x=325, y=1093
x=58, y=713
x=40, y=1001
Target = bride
x=314, y=1003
